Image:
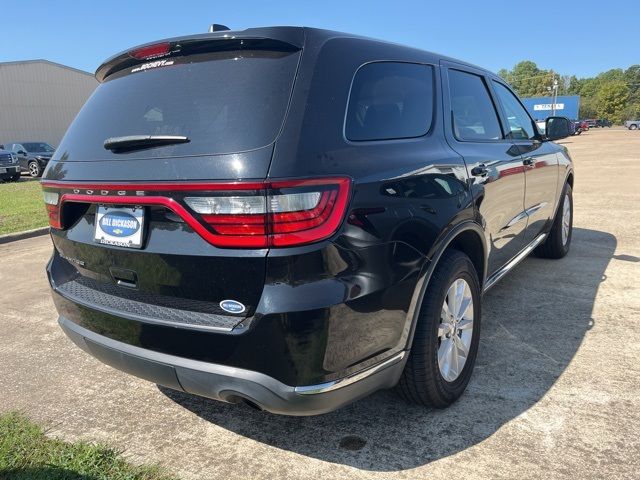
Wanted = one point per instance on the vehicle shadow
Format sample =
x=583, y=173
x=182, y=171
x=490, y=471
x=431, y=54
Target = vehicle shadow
x=534, y=321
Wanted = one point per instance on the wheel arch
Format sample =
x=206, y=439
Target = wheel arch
x=467, y=237
x=569, y=179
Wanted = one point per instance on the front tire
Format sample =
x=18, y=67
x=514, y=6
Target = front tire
x=16, y=177
x=447, y=333
x=558, y=242
x=633, y=127
x=34, y=169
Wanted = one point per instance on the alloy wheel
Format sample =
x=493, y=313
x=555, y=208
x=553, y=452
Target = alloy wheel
x=455, y=330
x=566, y=219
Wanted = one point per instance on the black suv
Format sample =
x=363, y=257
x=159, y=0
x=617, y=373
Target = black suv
x=33, y=156
x=294, y=218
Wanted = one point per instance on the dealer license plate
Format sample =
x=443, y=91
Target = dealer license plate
x=120, y=226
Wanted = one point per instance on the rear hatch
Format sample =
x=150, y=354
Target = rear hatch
x=143, y=189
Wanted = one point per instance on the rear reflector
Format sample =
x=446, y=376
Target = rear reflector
x=231, y=215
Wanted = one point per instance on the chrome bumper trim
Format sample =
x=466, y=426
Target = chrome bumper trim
x=343, y=382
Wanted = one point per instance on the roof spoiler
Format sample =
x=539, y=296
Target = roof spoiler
x=272, y=38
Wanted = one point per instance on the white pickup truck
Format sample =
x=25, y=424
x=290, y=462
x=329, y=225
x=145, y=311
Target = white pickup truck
x=632, y=124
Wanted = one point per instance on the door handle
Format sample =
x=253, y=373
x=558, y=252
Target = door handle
x=529, y=161
x=480, y=171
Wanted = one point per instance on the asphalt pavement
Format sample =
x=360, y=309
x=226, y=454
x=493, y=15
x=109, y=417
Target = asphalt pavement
x=555, y=393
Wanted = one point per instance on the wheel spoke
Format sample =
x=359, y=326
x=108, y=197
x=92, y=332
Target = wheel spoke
x=453, y=355
x=461, y=347
x=444, y=356
x=465, y=324
x=464, y=306
x=452, y=299
x=446, y=313
x=460, y=286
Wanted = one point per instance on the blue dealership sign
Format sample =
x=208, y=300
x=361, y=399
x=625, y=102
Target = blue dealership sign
x=542, y=107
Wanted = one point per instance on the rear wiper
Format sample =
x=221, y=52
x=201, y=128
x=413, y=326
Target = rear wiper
x=139, y=142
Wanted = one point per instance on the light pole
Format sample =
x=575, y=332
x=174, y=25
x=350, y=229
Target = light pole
x=555, y=96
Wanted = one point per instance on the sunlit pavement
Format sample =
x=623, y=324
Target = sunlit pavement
x=554, y=395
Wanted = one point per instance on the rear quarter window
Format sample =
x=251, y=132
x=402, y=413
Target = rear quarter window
x=390, y=100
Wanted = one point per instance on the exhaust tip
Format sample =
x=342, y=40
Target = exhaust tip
x=234, y=397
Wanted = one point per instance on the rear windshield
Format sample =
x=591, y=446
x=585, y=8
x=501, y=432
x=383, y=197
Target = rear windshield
x=224, y=102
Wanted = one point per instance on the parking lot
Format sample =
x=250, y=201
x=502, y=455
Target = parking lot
x=554, y=395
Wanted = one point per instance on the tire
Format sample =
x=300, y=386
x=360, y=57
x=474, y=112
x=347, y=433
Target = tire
x=556, y=245
x=16, y=177
x=34, y=169
x=633, y=127
x=422, y=381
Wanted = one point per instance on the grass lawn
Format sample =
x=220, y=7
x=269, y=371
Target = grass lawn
x=21, y=206
x=26, y=453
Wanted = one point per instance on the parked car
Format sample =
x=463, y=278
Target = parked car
x=632, y=124
x=584, y=126
x=591, y=122
x=305, y=230
x=580, y=126
x=33, y=156
x=603, y=122
x=9, y=168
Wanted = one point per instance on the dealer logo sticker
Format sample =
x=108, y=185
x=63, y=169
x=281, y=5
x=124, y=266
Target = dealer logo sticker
x=119, y=224
x=232, y=306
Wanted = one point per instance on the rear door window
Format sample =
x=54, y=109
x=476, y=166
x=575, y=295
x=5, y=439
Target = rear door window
x=474, y=116
x=390, y=100
x=224, y=102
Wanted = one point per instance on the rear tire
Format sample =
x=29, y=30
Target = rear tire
x=558, y=241
x=633, y=127
x=423, y=380
x=16, y=177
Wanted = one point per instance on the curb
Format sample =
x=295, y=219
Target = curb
x=13, y=237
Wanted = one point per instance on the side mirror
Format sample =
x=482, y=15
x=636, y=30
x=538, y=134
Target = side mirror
x=557, y=128
x=21, y=152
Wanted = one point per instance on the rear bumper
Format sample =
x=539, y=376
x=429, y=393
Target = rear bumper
x=232, y=384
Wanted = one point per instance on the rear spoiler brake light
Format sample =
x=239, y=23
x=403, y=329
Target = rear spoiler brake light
x=272, y=39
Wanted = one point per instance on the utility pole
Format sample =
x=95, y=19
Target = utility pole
x=554, y=88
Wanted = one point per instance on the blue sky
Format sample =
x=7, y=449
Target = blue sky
x=581, y=37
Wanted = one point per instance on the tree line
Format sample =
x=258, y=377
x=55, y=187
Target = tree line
x=614, y=94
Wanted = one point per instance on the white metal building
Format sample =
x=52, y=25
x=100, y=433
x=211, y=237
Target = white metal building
x=39, y=99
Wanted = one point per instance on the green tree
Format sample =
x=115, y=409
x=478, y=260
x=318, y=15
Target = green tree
x=612, y=98
x=527, y=79
x=614, y=94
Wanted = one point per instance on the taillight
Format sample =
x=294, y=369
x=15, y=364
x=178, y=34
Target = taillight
x=51, y=201
x=282, y=214
x=231, y=215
